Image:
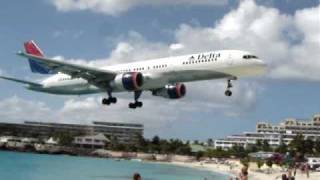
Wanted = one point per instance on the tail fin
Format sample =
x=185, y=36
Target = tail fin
x=36, y=67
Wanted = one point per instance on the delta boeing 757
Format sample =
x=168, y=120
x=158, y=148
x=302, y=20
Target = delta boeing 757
x=163, y=77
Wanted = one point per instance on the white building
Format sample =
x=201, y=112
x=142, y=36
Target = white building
x=124, y=133
x=95, y=141
x=293, y=126
x=248, y=138
x=274, y=135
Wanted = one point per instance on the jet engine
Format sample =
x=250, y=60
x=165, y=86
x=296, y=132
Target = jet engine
x=171, y=91
x=130, y=81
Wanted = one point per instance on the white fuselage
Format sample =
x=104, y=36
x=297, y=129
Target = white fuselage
x=160, y=72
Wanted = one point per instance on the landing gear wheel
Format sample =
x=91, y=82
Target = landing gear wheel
x=228, y=93
x=113, y=100
x=110, y=99
x=136, y=103
x=139, y=104
x=132, y=105
x=106, y=101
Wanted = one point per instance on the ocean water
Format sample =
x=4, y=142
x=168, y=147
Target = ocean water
x=26, y=166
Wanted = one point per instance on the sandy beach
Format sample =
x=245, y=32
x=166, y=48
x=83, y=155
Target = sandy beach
x=254, y=173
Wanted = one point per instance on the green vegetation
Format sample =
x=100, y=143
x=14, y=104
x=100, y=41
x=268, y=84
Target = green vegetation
x=269, y=163
x=155, y=145
x=294, y=152
x=283, y=148
x=64, y=139
x=297, y=148
x=260, y=163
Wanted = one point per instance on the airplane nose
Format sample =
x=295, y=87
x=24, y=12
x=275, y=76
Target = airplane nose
x=261, y=62
x=261, y=65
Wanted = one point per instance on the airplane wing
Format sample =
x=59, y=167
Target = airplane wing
x=95, y=76
x=20, y=81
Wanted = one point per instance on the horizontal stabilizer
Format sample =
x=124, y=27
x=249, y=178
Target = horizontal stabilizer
x=20, y=81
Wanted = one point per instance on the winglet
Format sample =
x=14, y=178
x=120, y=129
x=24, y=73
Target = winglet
x=32, y=48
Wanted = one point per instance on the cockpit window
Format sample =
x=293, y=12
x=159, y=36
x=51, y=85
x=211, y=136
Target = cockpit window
x=249, y=57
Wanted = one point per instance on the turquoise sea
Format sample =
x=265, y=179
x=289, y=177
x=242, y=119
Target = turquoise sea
x=27, y=166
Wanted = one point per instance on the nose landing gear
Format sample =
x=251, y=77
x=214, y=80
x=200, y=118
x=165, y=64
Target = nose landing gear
x=228, y=92
x=132, y=105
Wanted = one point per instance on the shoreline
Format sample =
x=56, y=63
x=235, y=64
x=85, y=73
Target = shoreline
x=254, y=173
x=229, y=168
x=199, y=166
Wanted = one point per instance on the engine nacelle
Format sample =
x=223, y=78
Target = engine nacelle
x=171, y=91
x=130, y=81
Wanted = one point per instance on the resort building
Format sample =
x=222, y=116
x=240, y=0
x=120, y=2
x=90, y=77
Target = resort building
x=95, y=141
x=274, y=134
x=248, y=138
x=123, y=133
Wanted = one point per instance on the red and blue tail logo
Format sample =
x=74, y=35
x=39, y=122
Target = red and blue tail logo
x=36, y=67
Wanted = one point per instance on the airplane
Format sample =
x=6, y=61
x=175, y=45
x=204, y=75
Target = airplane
x=164, y=77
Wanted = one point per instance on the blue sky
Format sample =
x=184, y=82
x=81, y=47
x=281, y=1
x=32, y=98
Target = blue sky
x=284, y=33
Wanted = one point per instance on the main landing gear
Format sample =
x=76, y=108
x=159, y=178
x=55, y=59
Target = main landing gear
x=109, y=100
x=228, y=92
x=136, y=103
x=132, y=105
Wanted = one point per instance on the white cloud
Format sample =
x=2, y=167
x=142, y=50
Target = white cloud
x=134, y=48
x=303, y=58
x=176, y=47
x=156, y=114
x=17, y=110
x=115, y=7
x=288, y=43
